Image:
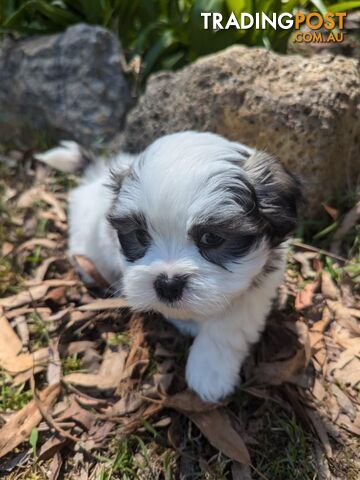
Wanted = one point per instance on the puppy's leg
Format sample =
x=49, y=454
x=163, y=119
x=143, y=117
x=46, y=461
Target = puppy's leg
x=223, y=343
x=215, y=358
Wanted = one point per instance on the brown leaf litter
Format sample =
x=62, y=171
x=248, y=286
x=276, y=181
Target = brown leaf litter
x=129, y=368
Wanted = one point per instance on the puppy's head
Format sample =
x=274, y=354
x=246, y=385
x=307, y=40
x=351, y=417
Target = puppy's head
x=197, y=218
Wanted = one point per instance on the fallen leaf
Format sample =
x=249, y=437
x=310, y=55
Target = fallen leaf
x=240, y=472
x=129, y=403
x=328, y=287
x=333, y=212
x=318, y=390
x=50, y=447
x=22, y=330
x=74, y=412
x=84, y=264
x=276, y=373
x=304, y=297
x=350, y=374
x=320, y=429
x=304, y=259
x=50, y=199
x=54, y=372
x=26, y=296
x=55, y=467
x=347, y=356
x=216, y=426
x=6, y=248
x=20, y=425
x=30, y=196
x=345, y=422
x=343, y=400
x=345, y=316
x=34, y=242
x=104, y=304
x=188, y=401
x=110, y=374
x=42, y=269
x=11, y=359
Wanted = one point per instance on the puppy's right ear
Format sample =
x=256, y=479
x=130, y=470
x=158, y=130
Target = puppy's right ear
x=278, y=193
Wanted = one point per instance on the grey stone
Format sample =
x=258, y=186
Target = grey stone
x=304, y=110
x=69, y=85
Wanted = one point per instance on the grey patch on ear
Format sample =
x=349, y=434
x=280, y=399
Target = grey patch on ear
x=278, y=194
x=116, y=179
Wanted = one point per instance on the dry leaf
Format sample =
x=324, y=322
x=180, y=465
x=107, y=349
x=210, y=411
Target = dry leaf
x=34, y=242
x=304, y=259
x=104, y=304
x=42, y=270
x=20, y=425
x=188, y=401
x=27, y=296
x=328, y=287
x=22, y=330
x=216, y=426
x=276, y=373
x=131, y=402
x=240, y=472
x=304, y=297
x=318, y=390
x=6, y=248
x=11, y=359
x=50, y=447
x=86, y=265
x=50, y=199
x=333, y=212
x=54, y=372
x=345, y=316
x=320, y=429
x=55, y=467
x=110, y=374
x=343, y=400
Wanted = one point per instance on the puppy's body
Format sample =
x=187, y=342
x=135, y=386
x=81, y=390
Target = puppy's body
x=194, y=228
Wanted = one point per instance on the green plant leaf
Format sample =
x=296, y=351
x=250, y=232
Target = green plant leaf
x=33, y=440
x=343, y=6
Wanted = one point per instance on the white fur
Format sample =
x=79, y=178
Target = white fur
x=222, y=308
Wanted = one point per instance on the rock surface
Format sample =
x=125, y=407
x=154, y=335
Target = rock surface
x=62, y=86
x=304, y=110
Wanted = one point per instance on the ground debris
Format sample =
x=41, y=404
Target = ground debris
x=102, y=373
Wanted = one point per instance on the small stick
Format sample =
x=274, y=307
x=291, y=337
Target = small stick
x=298, y=244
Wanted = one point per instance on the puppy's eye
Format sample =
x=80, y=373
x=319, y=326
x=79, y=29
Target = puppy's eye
x=142, y=237
x=210, y=240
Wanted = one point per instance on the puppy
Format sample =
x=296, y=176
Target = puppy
x=195, y=228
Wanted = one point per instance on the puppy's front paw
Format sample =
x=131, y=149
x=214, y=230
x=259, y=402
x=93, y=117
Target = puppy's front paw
x=212, y=372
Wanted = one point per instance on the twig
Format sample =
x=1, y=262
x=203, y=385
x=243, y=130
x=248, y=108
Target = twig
x=298, y=244
x=48, y=418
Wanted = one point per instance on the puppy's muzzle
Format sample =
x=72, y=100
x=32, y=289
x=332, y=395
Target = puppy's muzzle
x=170, y=289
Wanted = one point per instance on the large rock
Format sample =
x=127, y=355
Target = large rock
x=62, y=86
x=304, y=110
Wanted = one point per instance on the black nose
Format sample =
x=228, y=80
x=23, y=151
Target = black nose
x=170, y=289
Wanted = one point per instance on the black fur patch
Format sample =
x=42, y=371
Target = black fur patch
x=278, y=195
x=132, y=233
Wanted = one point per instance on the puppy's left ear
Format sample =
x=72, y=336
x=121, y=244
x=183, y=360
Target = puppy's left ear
x=278, y=194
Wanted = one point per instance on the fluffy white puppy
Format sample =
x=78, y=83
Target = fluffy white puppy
x=194, y=227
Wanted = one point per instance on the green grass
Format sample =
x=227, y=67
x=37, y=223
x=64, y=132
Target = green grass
x=285, y=448
x=72, y=364
x=12, y=398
